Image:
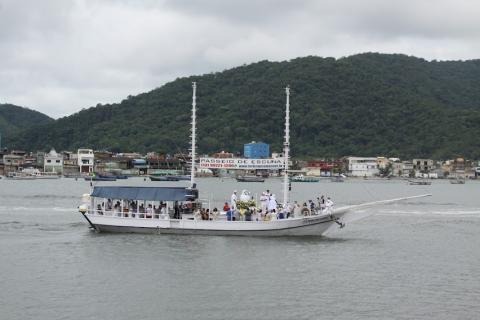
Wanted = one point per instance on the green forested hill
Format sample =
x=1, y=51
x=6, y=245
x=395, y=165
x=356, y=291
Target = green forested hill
x=14, y=119
x=367, y=104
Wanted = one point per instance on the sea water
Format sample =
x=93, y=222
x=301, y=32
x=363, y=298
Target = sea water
x=414, y=260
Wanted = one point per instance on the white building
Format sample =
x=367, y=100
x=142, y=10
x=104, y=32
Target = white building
x=362, y=166
x=53, y=162
x=85, y=160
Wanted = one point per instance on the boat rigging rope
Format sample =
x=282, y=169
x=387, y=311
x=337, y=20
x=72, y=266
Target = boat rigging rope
x=372, y=196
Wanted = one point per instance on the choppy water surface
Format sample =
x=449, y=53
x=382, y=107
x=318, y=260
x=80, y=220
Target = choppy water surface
x=417, y=260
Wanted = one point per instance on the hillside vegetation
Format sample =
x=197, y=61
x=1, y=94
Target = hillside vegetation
x=367, y=104
x=15, y=119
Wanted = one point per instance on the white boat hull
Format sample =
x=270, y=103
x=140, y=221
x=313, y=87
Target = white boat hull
x=315, y=225
x=306, y=226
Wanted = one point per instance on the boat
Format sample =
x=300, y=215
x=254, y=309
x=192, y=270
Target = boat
x=457, y=180
x=16, y=175
x=164, y=178
x=250, y=179
x=97, y=178
x=419, y=182
x=302, y=178
x=99, y=175
x=175, y=210
x=31, y=174
x=46, y=175
x=183, y=177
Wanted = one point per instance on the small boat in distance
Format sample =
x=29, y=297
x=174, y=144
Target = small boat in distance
x=97, y=178
x=419, y=182
x=457, y=180
x=164, y=178
x=19, y=176
x=183, y=177
x=103, y=175
x=31, y=174
x=250, y=179
x=302, y=178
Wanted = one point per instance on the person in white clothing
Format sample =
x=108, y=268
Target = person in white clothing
x=296, y=210
x=233, y=200
x=272, y=204
x=163, y=210
x=264, y=201
x=289, y=208
x=329, y=205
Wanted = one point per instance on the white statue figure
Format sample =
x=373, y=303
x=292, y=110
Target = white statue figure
x=245, y=196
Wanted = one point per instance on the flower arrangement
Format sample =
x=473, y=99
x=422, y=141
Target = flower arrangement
x=245, y=204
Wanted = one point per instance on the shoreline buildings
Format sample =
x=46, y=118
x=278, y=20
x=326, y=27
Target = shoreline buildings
x=257, y=161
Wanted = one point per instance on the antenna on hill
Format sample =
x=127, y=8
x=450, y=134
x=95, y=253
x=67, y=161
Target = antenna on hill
x=194, y=133
x=286, y=147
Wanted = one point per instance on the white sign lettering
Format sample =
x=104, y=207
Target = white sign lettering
x=239, y=163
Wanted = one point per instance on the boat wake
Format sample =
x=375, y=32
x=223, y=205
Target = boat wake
x=10, y=222
x=51, y=196
x=36, y=209
x=356, y=215
x=472, y=213
x=39, y=196
x=59, y=209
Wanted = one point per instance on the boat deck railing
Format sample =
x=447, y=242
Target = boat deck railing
x=130, y=214
x=127, y=214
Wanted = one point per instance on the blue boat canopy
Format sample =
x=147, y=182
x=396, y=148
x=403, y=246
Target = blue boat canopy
x=139, y=161
x=145, y=193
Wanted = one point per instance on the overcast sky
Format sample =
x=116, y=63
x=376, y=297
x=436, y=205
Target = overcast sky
x=59, y=56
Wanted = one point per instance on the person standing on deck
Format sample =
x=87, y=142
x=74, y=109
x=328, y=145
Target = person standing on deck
x=312, y=207
x=176, y=211
x=288, y=208
x=296, y=210
x=233, y=201
x=272, y=204
x=322, y=204
x=163, y=210
x=264, y=201
x=329, y=205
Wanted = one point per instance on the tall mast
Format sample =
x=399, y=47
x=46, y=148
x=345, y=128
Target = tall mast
x=286, y=147
x=194, y=132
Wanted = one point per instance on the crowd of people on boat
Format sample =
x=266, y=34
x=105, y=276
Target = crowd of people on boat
x=132, y=207
x=270, y=209
x=322, y=205
x=240, y=208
